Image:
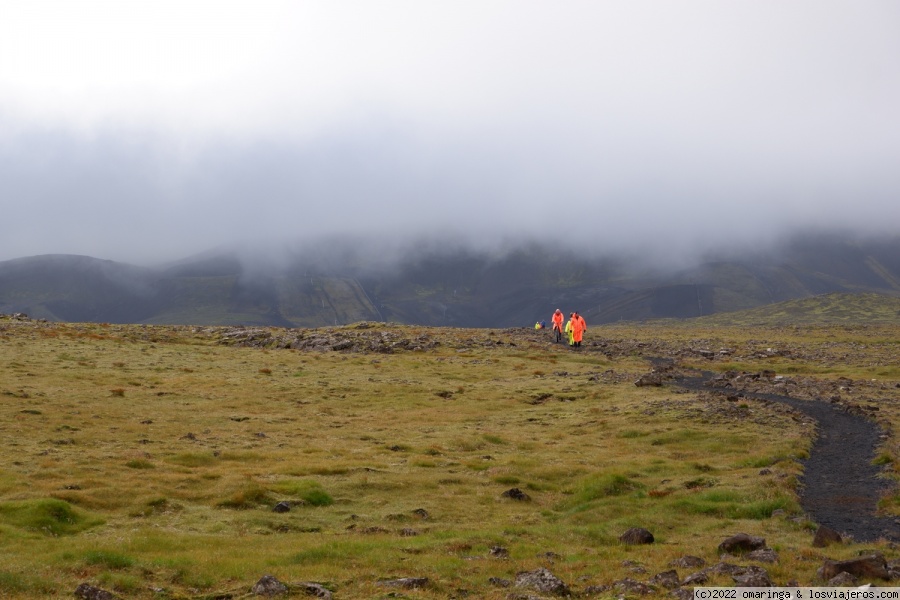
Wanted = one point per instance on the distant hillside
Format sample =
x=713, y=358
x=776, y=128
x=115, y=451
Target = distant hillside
x=461, y=288
x=827, y=309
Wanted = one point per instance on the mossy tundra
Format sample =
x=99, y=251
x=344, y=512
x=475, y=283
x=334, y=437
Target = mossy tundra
x=147, y=460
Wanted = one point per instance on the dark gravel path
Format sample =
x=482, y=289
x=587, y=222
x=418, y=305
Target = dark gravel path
x=840, y=485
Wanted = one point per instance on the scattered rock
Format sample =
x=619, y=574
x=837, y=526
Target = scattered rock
x=843, y=579
x=551, y=556
x=636, y=535
x=682, y=593
x=516, y=494
x=753, y=577
x=282, y=507
x=864, y=567
x=268, y=585
x=499, y=552
x=766, y=555
x=630, y=586
x=634, y=566
x=825, y=536
x=497, y=581
x=595, y=590
x=407, y=583
x=698, y=578
x=422, y=513
x=89, y=592
x=741, y=543
x=650, y=379
x=667, y=579
x=542, y=580
x=315, y=589
x=688, y=562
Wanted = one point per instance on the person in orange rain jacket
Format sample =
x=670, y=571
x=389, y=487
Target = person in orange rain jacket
x=577, y=329
x=583, y=323
x=558, y=325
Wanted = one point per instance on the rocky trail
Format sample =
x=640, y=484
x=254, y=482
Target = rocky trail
x=841, y=486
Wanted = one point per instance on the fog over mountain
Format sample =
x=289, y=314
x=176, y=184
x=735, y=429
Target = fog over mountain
x=145, y=133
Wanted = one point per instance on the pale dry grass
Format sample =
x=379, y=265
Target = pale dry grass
x=173, y=450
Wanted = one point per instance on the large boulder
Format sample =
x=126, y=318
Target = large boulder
x=865, y=567
x=636, y=535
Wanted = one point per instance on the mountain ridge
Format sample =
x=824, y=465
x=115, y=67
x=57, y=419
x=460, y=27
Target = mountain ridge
x=462, y=287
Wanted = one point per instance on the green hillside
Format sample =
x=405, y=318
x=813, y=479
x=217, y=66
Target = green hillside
x=827, y=309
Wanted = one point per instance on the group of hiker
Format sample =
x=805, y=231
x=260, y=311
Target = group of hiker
x=574, y=328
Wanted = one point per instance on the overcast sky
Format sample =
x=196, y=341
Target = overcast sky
x=148, y=131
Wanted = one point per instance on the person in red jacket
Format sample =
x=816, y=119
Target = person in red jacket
x=577, y=329
x=558, y=324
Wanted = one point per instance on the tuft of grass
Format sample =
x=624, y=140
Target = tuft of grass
x=307, y=491
x=108, y=560
x=599, y=487
x=49, y=516
x=250, y=496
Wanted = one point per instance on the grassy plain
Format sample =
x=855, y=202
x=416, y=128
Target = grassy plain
x=147, y=460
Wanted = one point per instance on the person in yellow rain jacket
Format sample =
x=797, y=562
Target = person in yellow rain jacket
x=570, y=330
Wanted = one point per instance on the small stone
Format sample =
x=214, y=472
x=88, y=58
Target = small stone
x=89, y=592
x=542, y=580
x=268, y=585
x=407, y=583
x=516, y=494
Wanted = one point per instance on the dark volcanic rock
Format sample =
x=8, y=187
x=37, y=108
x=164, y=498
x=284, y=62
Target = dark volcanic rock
x=636, y=535
x=864, y=567
x=268, y=585
x=766, y=555
x=667, y=579
x=825, y=536
x=315, y=589
x=630, y=586
x=753, y=577
x=741, y=543
x=89, y=592
x=688, y=562
x=407, y=583
x=516, y=494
